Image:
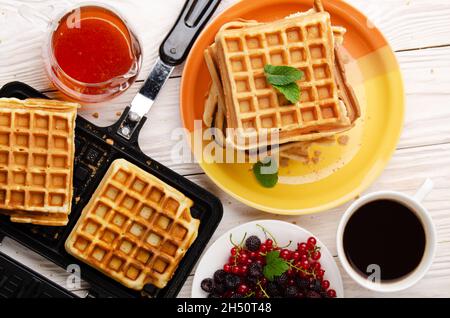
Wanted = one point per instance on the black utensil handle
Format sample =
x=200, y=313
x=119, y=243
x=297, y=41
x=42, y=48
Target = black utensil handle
x=192, y=20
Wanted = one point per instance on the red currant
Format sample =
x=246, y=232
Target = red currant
x=260, y=262
x=231, y=260
x=242, y=289
x=295, y=256
x=312, y=241
x=301, y=248
x=310, y=247
x=263, y=248
x=235, y=270
x=253, y=255
x=331, y=293
x=304, y=264
x=316, y=266
x=269, y=243
x=316, y=255
x=234, y=251
x=243, y=270
x=285, y=254
x=249, y=261
x=290, y=272
x=325, y=284
x=263, y=281
x=227, y=268
x=243, y=259
x=291, y=282
x=320, y=273
x=304, y=257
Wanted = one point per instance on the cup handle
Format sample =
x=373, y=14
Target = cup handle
x=424, y=190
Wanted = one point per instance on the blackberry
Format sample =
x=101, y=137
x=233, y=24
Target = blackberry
x=207, y=285
x=253, y=280
x=213, y=295
x=313, y=294
x=272, y=289
x=302, y=283
x=282, y=280
x=219, y=276
x=255, y=270
x=324, y=294
x=219, y=288
x=291, y=292
x=232, y=281
x=316, y=286
x=253, y=243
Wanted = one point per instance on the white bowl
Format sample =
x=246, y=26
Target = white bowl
x=217, y=255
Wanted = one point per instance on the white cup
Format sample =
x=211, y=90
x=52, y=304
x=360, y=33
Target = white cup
x=415, y=205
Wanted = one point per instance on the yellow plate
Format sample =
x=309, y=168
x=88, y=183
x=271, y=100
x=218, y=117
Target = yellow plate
x=344, y=171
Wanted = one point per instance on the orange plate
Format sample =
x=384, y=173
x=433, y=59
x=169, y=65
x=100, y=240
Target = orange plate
x=344, y=171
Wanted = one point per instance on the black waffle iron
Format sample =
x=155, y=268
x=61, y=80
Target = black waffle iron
x=96, y=149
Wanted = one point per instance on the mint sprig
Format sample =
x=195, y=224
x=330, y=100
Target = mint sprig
x=275, y=265
x=267, y=180
x=284, y=79
x=290, y=91
x=282, y=75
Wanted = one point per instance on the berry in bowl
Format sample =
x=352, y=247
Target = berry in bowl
x=272, y=259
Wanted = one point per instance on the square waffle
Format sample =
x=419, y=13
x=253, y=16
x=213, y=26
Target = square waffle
x=305, y=42
x=36, y=160
x=135, y=229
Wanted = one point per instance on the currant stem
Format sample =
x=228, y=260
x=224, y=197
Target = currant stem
x=263, y=290
x=286, y=246
x=304, y=271
x=267, y=233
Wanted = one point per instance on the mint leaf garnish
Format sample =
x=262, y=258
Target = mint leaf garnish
x=284, y=79
x=290, y=91
x=275, y=265
x=282, y=75
x=267, y=180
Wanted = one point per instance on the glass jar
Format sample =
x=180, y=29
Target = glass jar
x=92, y=54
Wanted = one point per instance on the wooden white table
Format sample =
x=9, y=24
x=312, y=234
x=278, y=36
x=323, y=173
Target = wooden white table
x=419, y=32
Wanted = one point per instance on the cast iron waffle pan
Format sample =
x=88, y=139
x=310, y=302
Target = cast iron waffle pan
x=18, y=281
x=92, y=159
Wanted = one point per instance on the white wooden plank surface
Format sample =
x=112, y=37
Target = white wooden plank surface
x=424, y=150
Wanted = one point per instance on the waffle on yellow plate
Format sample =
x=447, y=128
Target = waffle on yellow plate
x=36, y=160
x=135, y=229
x=305, y=42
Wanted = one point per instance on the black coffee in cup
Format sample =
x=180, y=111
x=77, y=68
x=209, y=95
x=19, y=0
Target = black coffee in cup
x=387, y=235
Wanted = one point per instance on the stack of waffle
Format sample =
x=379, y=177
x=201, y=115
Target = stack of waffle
x=36, y=160
x=241, y=98
x=135, y=229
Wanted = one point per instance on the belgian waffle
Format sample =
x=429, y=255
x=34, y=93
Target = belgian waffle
x=135, y=229
x=214, y=116
x=304, y=42
x=36, y=160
